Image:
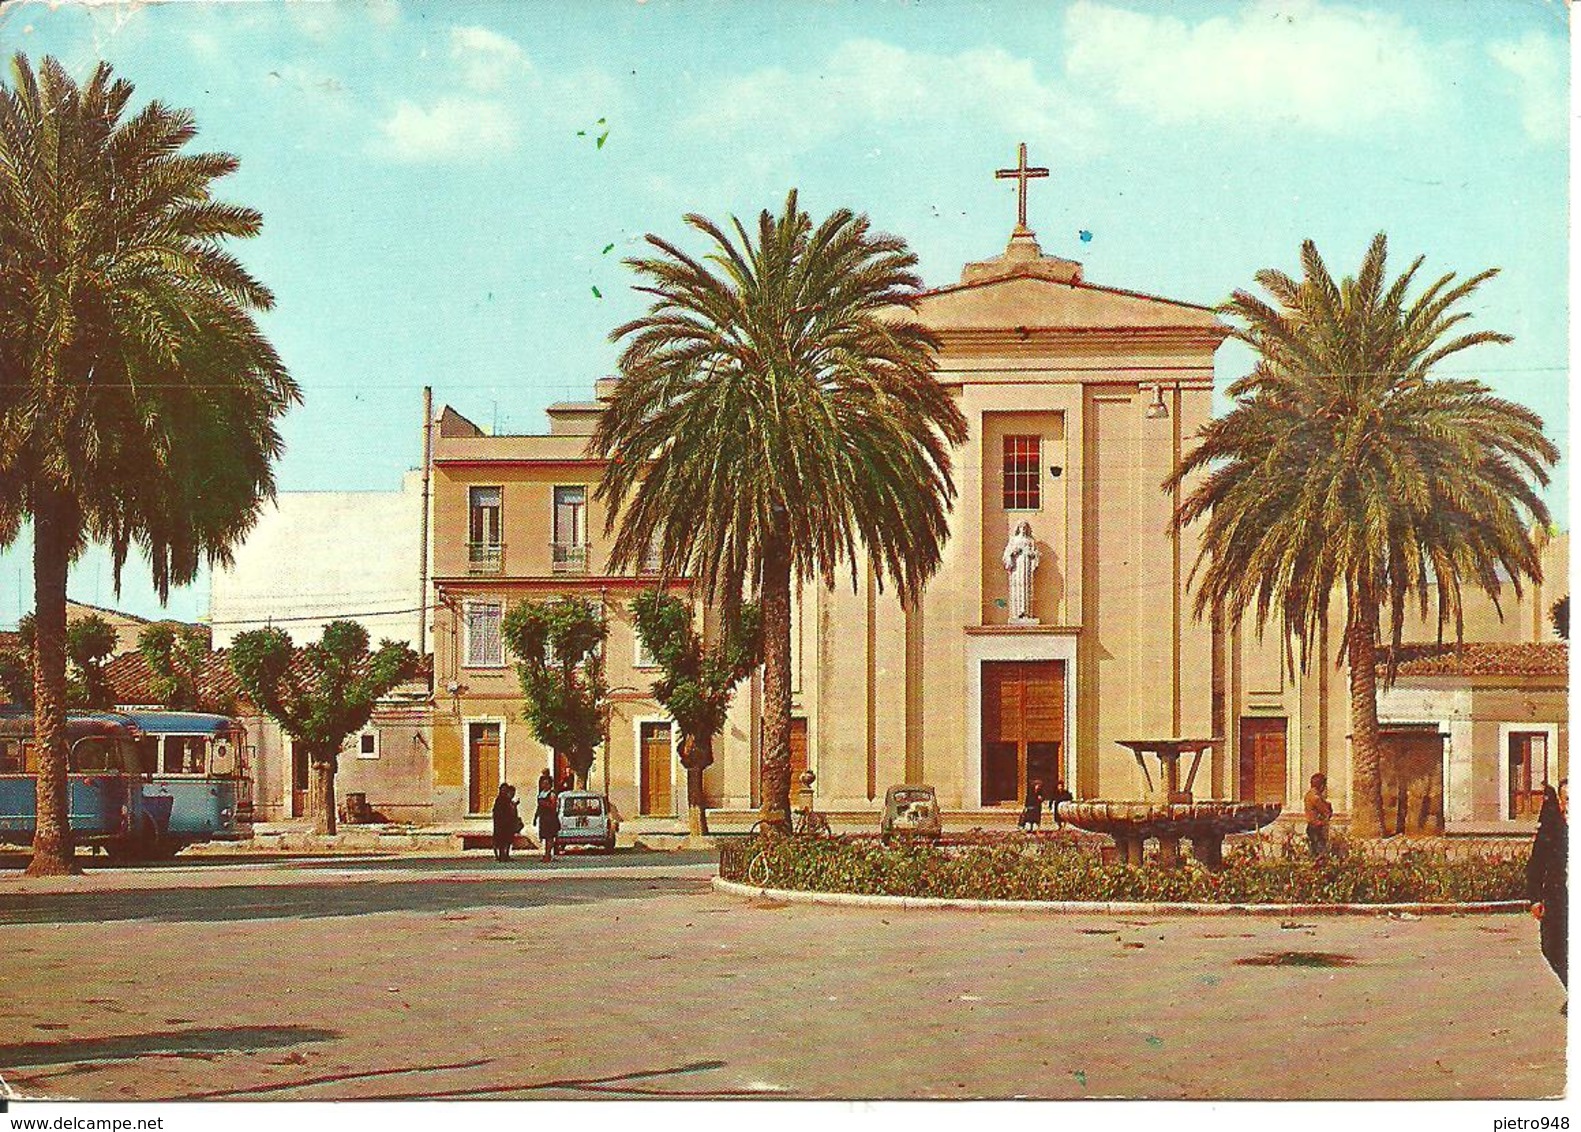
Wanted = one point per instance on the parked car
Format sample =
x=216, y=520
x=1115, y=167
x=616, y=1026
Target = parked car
x=587, y=818
x=911, y=811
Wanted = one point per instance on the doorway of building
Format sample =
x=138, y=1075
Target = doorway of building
x=1023, y=726
x=299, y=772
x=1528, y=758
x=657, y=794
x=1262, y=760
x=483, y=766
x=1412, y=772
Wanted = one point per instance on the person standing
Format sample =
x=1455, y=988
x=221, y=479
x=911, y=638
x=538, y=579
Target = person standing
x=1320, y=811
x=547, y=816
x=1032, y=808
x=507, y=821
x=1548, y=880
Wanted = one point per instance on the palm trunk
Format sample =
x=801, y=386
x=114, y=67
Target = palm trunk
x=697, y=754
x=53, y=848
x=321, y=802
x=1366, y=784
x=774, y=775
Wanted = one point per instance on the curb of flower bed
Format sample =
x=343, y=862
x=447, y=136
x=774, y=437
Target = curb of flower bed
x=1101, y=907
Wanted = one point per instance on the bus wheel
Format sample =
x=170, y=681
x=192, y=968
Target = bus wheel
x=139, y=846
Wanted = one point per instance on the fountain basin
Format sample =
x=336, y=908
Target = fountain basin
x=1205, y=824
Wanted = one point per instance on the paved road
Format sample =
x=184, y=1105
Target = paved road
x=629, y=977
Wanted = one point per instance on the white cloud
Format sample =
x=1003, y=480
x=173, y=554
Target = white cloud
x=1293, y=62
x=450, y=128
x=869, y=83
x=487, y=60
x=1539, y=66
x=489, y=93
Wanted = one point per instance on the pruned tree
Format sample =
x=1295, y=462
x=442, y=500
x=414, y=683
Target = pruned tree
x=698, y=680
x=176, y=655
x=90, y=643
x=320, y=694
x=560, y=665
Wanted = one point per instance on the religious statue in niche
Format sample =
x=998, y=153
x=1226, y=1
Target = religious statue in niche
x=1021, y=562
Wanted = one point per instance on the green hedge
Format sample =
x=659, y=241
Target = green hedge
x=1021, y=868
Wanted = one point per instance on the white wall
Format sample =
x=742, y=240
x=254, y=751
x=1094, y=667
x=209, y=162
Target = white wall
x=320, y=555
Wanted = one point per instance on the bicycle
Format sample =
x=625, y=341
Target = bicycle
x=805, y=822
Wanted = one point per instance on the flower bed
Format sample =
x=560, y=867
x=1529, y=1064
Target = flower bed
x=1014, y=867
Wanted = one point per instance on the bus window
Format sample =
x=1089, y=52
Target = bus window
x=183, y=754
x=222, y=758
x=93, y=755
x=148, y=754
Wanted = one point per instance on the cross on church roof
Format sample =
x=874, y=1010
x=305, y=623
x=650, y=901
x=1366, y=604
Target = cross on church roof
x=1021, y=173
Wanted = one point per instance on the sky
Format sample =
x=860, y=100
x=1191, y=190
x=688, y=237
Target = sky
x=448, y=189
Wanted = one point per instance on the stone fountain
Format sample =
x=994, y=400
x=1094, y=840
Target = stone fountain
x=1170, y=813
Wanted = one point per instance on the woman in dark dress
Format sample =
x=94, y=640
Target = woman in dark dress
x=1547, y=878
x=507, y=821
x=1032, y=808
x=547, y=816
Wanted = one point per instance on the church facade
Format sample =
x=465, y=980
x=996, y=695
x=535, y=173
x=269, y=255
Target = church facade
x=1059, y=622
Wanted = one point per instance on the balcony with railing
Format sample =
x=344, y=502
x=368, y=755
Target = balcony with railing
x=485, y=558
x=567, y=558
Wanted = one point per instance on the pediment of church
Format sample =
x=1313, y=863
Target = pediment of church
x=1026, y=290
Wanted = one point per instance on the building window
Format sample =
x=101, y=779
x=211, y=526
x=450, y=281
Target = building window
x=484, y=647
x=1023, y=488
x=569, y=550
x=641, y=657
x=368, y=745
x=485, y=530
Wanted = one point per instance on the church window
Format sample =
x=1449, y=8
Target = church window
x=1023, y=489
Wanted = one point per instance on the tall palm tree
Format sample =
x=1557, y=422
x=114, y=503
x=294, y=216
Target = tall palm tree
x=1345, y=463
x=777, y=415
x=138, y=398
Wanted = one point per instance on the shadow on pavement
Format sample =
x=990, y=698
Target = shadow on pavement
x=313, y=900
x=123, y=1047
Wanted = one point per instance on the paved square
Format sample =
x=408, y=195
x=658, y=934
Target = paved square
x=468, y=980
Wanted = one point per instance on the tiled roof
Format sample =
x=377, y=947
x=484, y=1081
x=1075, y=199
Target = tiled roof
x=131, y=681
x=1549, y=658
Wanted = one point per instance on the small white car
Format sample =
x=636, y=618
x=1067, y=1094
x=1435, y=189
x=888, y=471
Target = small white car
x=586, y=818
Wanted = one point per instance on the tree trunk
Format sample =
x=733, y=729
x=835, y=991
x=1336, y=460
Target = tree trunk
x=774, y=776
x=53, y=847
x=1366, y=783
x=696, y=755
x=321, y=800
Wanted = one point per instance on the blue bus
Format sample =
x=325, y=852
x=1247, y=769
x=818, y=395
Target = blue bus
x=143, y=784
x=104, y=778
x=198, y=762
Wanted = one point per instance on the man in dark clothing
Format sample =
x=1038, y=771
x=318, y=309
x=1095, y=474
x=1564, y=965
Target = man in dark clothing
x=1547, y=879
x=507, y=821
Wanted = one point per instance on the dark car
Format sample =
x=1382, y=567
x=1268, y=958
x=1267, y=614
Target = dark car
x=911, y=811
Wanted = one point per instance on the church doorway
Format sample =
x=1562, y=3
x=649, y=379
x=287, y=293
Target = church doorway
x=1023, y=726
x=1262, y=752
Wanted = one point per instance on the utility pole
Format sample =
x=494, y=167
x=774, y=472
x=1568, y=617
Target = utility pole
x=422, y=553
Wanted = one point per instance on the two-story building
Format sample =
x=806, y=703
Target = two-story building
x=515, y=519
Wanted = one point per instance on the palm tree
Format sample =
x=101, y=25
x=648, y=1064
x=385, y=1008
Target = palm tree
x=138, y=399
x=777, y=415
x=1345, y=463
